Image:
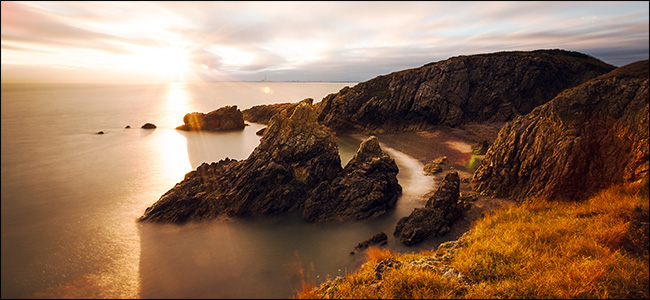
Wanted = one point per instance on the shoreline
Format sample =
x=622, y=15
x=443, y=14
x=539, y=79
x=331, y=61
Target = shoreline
x=455, y=143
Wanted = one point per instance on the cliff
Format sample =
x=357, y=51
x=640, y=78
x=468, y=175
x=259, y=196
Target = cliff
x=492, y=87
x=587, y=138
x=295, y=155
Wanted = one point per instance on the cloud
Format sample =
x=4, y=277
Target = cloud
x=316, y=40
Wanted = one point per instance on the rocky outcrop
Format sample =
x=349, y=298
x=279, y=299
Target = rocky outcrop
x=367, y=187
x=377, y=239
x=478, y=88
x=263, y=113
x=587, y=138
x=295, y=155
x=222, y=119
x=148, y=126
x=440, y=211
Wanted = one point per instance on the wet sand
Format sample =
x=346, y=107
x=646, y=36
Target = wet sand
x=456, y=144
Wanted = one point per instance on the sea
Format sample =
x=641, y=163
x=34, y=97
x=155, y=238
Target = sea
x=71, y=197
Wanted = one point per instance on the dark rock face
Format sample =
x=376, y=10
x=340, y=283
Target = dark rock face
x=224, y=118
x=478, y=88
x=441, y=210
x=263, y=113
x=367, y=187
x=148, y=126
x=587, y=138
x=295, y=155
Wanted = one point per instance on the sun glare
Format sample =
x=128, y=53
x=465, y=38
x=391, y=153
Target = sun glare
x=169, y=61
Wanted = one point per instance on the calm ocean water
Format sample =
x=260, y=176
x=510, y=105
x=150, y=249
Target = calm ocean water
x=70, y=197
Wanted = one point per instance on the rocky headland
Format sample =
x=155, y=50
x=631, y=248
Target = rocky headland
x=222, y=119
x=587, y=138
x=481, y=88
x=296, y=155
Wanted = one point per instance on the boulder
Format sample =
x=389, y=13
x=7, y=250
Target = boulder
x=436, y=218
x=367, y=187
x=432, y=168
x=222, y=119
x=588, y=138
x=148, y=126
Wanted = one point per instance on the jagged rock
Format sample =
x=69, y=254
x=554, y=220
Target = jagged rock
x=263, y=113
x=148, y=126
x=295, y=155
x=480, y=148
x=432, y=168
x=367, y=187
x=379, y=238
x=492, y=87
x=587, y=138
x=440, y=211
x=224, y=118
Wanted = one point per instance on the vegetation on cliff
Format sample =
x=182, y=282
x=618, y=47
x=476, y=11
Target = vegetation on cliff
x=537, y=249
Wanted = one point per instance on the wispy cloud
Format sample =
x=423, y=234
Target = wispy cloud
x=311, y=40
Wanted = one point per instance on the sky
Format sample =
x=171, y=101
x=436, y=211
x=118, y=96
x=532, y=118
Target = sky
x=126, y=41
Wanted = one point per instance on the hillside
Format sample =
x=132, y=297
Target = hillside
x=560, y=250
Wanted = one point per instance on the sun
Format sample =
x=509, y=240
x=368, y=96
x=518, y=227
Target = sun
x=171, y=61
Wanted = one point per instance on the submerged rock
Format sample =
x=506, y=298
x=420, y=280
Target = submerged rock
x=222, y=119
x=588, y=138
x=439, y=213
x=377, y=239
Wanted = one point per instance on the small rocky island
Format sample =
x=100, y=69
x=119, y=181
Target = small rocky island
x=222, y=119
x=295, y=165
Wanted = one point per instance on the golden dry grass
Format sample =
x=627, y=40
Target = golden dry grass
x=538, y=249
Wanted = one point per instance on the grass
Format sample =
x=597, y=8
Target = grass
x=592, y=249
